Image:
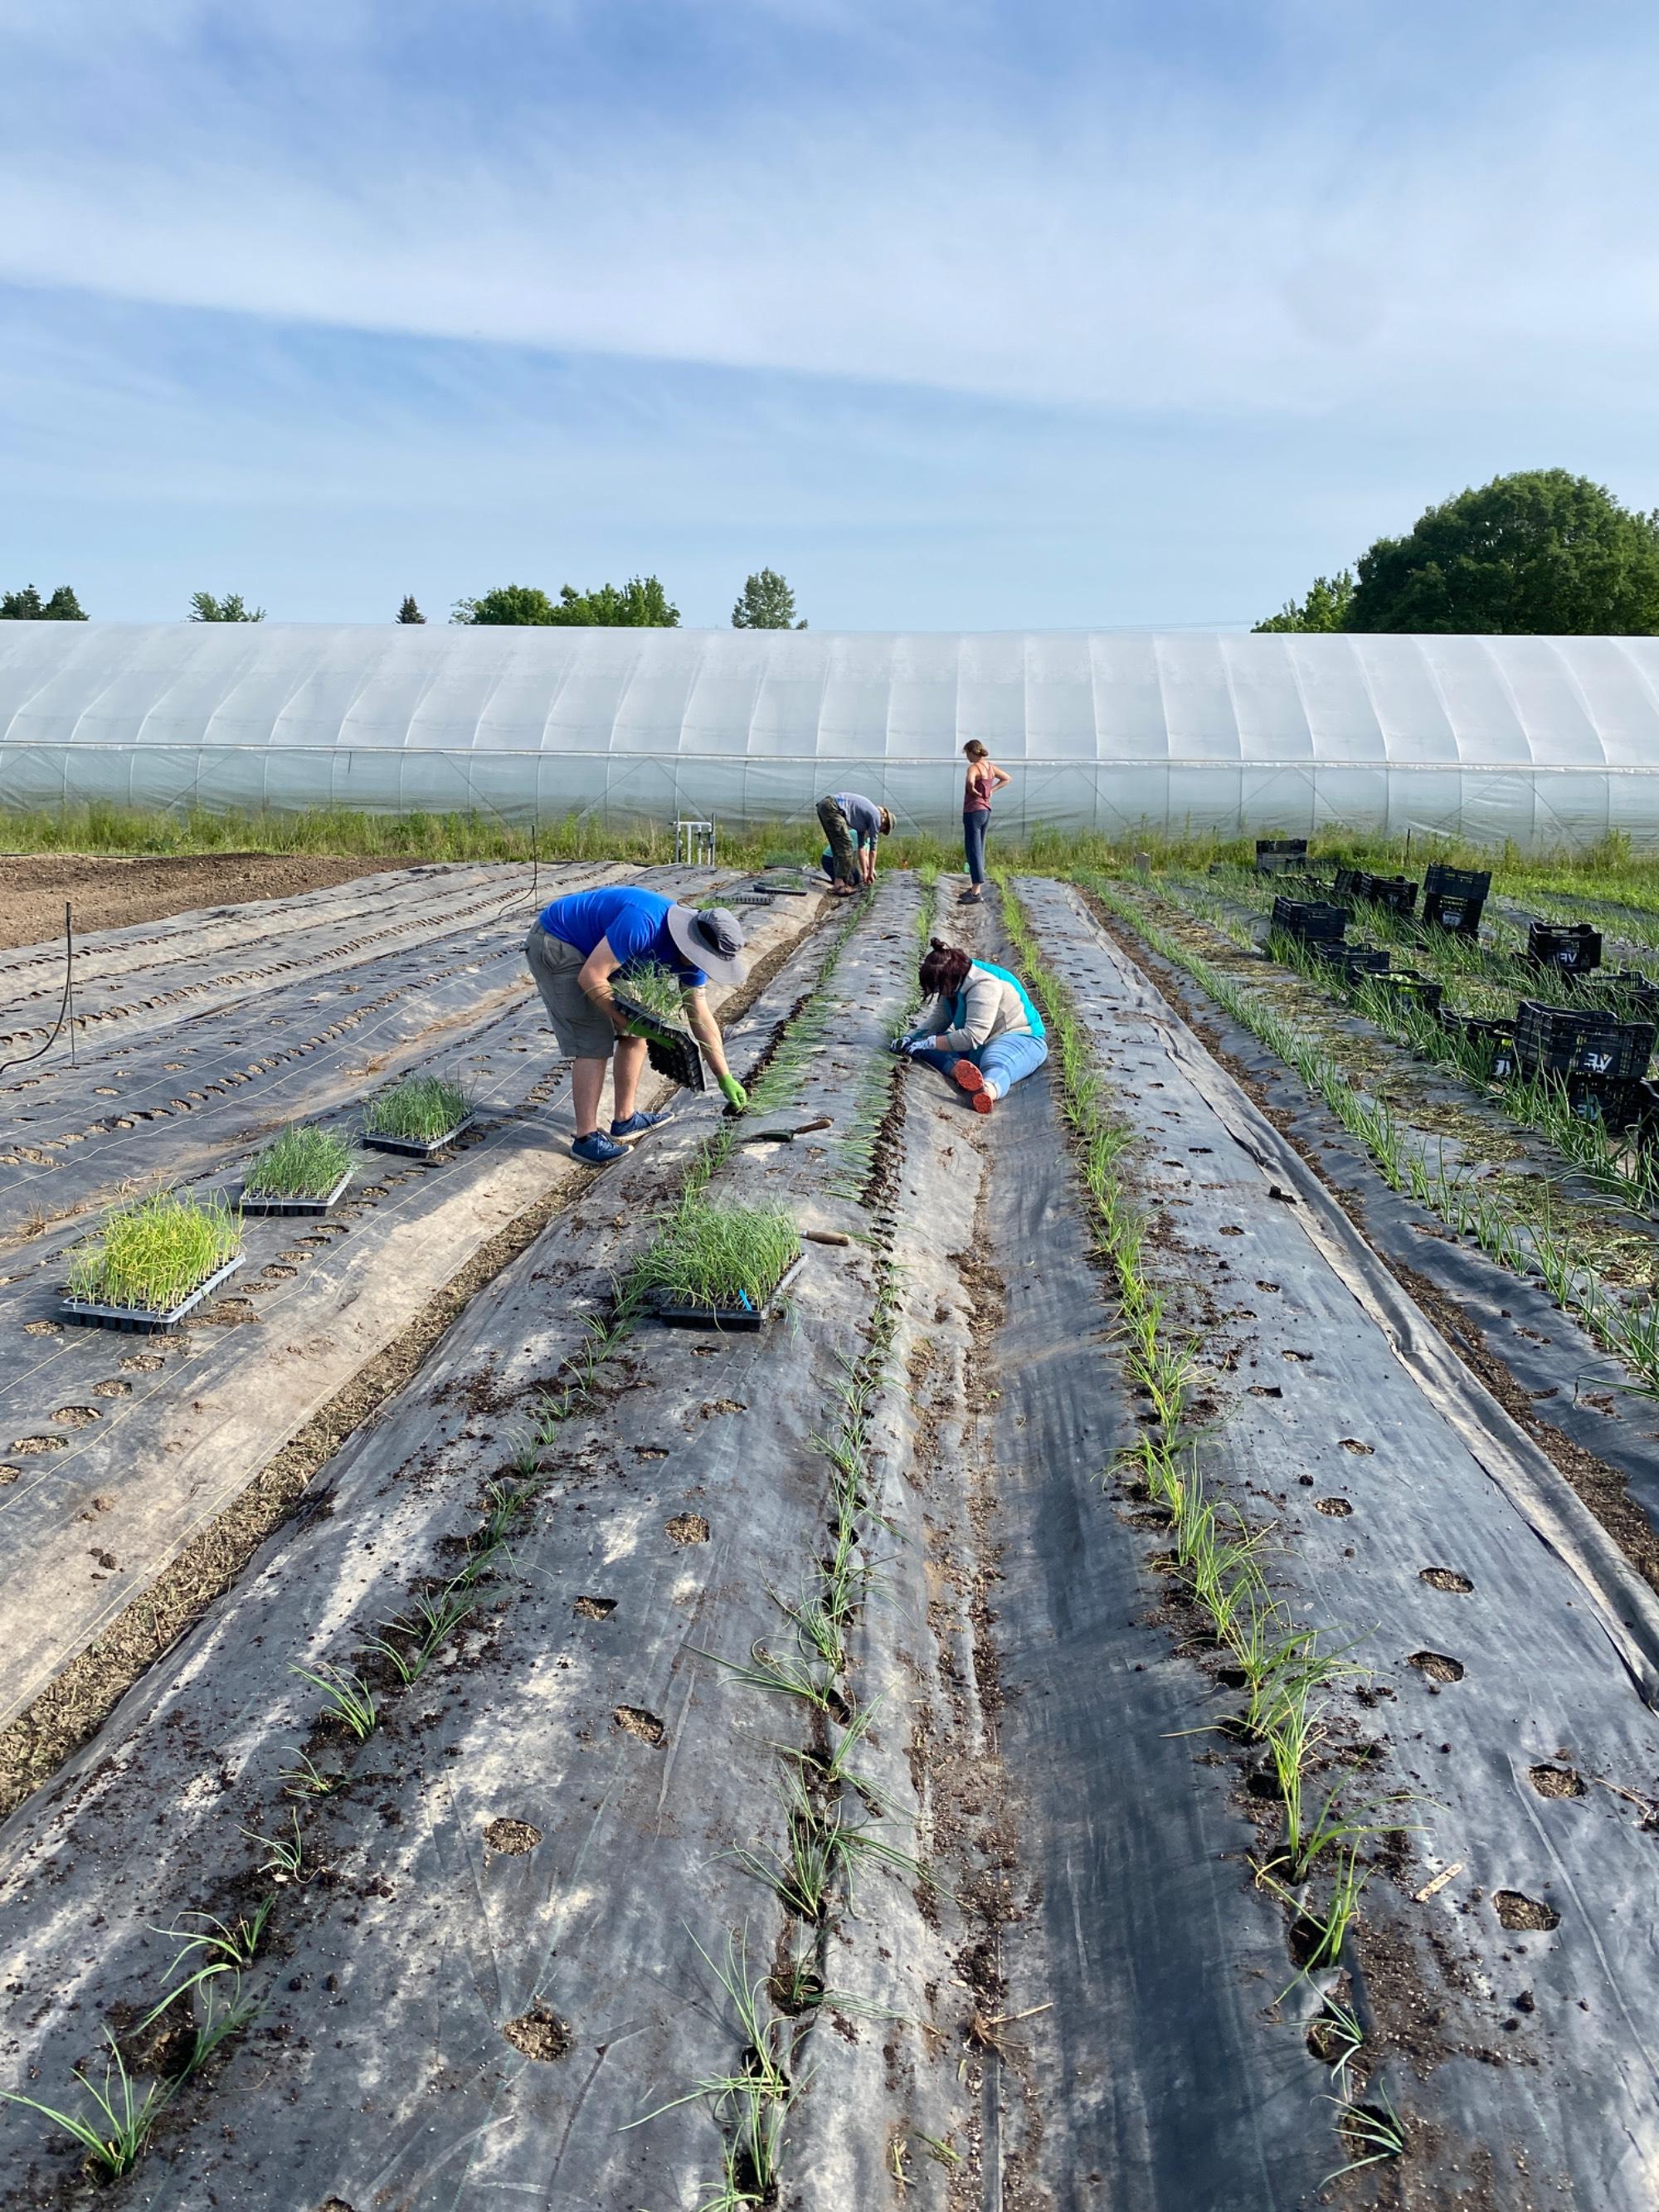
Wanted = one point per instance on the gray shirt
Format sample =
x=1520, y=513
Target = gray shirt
x=863, y=817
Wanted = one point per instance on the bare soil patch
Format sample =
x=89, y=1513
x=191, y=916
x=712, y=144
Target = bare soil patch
x=109, y=893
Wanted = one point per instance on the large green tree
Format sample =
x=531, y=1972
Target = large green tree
x=1326, y=606
x=767, y=603
x=27, y=606
x=1540, y=554
x=203, y=607
x=639, y=604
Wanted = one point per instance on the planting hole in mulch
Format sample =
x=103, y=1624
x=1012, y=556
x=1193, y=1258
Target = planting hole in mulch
x=76, y=1417
x=1556, y=1781
x=634, y=1720
x=1266, y=1390
x=687, y=1529
x=41, y=1328
x=8, y=1474
x=511, y=1837
x=1445, y=1578
x=1361, y=1451
x=1267, y=1286
x=1337, y=1507
x=1302, y=1357
x=143, y=1363
x=1518, y=1911
x=538, y=2033
x=30, y=1445
x=1437, y=1666
x=595, y=1609
x=113, y=1387
x=650, y=1451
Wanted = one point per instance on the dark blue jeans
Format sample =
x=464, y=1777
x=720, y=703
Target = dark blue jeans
x=975, y=822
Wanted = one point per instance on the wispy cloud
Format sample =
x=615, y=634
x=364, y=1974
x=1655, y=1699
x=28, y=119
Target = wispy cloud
x=1118, y=210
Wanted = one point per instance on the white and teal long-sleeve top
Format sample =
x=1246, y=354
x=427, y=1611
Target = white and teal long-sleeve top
x=991, y=1003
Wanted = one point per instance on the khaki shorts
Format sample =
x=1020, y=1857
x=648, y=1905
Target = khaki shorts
x=584, y=1030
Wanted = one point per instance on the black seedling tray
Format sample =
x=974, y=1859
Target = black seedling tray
x=137, y=1318
x=249, y=1203
x=670, y=1048
x=1410, y=989
x=420, y=1148
x=751, y=1318
x=1311, y=919
x=1575, y=948
x=1580, y=1041
x=1274, y=855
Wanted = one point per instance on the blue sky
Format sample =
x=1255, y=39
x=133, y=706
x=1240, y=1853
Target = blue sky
x=971, y=315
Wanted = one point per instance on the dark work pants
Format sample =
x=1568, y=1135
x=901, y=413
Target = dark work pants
x=975, y=822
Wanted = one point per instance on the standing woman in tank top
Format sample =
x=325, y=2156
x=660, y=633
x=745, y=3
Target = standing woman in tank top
x=984, y=777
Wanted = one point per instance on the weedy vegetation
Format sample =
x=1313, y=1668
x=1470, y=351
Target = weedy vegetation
x=150, y=1256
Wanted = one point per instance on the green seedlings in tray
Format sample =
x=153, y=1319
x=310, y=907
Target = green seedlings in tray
x=654, y=987
x=418, y=1111
x=300, y=1163
x=150, y=1256
x=114, y=2140
x=715, y=1258
x=347, y=1697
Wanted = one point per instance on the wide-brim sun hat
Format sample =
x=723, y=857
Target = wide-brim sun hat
x=710, y=939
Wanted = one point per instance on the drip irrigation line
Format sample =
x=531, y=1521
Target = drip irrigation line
x=66, y=1009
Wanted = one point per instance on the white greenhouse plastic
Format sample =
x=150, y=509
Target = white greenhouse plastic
x=1544, y=741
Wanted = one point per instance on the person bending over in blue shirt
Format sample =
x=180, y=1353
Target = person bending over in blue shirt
x=576, y=946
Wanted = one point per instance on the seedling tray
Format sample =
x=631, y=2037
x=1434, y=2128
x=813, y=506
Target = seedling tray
x=248, y=1202
x=1574, y=1041
x=1574, y=949
x=420, y=1148
x=139, y=1317
x=671, y=1048
x=659, y=1304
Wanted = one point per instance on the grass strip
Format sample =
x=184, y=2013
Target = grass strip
x=300, y=1163
x=418, y=1110
x=150, y=1256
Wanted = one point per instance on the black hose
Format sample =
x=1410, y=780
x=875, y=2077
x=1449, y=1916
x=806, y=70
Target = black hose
x=23, y=1059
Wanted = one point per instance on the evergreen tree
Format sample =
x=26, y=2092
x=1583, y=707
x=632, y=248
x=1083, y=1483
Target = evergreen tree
x=205, y=608
x=409, y=612
x=27, y=606
x=767, y=603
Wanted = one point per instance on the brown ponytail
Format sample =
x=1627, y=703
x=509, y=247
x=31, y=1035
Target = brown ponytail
x=944, y=969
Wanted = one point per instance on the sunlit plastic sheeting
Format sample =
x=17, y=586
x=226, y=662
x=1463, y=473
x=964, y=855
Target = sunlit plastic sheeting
x=1541, y=741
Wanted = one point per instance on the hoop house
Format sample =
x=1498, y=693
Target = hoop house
x=1545, y=741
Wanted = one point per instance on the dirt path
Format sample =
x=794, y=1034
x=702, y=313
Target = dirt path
x=115, y=893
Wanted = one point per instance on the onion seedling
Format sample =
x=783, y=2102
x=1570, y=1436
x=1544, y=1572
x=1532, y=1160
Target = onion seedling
x=347, y=1697
x=151, y=1255
x=717, y=1257
x=114, y=2141
x=418, y=1111
x=218, y=1947
x=300, y=1163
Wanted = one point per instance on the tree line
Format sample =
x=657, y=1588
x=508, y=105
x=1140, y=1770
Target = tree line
x=641, y=603
x=1540, y=554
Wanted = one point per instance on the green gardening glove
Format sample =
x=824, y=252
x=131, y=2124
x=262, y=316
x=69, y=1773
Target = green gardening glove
x=735, y=1096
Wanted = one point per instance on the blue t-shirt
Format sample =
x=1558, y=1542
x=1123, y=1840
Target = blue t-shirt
x=633, y=922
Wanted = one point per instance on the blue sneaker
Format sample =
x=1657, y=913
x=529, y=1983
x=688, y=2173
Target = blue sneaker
x=637, y=1124
x=597, y=1151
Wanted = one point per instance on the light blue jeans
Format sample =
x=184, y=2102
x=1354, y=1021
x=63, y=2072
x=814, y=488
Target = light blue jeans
x=1004, y=1062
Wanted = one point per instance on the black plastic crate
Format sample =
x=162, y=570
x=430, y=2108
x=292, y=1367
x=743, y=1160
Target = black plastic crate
x=1632, y=986
x=1615, y=1101
x=1645, y=1120
x=1273, y=855
x=1395, y=893
x=1580, y=1041
x=1454, y=898
x=1313, y=920
x=1407, y=988
x=1498, y=1036
x=1350, y=964
x=1573, y=947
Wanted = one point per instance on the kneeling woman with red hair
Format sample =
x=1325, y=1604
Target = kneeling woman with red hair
x=979, y=1026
